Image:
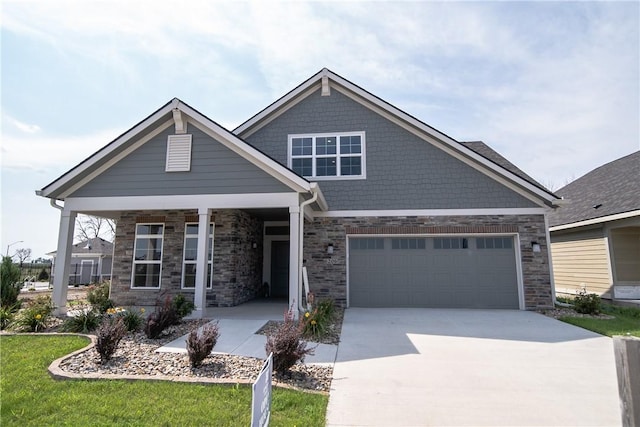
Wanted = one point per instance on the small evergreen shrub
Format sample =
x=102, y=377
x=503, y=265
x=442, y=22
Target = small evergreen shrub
x=164, y=316
x=109, y=334
x=84, y=322
x=98, y=297
x=287, y=344
x=9, y=282
x=586, y=303
x=201, y=343
x=182, y=307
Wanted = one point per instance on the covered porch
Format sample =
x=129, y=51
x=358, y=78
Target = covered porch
x=219, y=250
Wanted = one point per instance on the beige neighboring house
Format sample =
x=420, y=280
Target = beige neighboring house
x=595, y=237
x=91, y=262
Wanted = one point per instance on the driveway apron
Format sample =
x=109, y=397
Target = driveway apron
x=437, y=367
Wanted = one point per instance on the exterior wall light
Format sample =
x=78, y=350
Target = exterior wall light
x=535, y=246
x=330, y=248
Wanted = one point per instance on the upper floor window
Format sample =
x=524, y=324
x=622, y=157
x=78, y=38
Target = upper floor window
x=328, y=156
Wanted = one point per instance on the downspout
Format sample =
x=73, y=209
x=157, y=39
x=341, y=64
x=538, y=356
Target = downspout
x=53, y=203
x=314, y=191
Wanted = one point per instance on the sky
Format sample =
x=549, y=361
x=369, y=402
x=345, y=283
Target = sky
x=552, y=86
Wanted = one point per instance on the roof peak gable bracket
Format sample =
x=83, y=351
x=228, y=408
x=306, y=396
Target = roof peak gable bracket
x=179, y=121
x=326, y=90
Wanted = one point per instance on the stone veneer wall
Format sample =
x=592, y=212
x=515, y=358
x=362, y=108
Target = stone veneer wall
x=237, y=266
x=328, y=275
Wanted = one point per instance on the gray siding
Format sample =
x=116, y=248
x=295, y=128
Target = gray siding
x=214, y=170
x=403, y=171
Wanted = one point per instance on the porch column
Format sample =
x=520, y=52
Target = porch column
x=63, y=257
x=200, y=298
x=294, y=258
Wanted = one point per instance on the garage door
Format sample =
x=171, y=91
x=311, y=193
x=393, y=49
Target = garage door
x=436, y=272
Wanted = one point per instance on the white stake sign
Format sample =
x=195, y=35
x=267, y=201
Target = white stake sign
x=261, y=399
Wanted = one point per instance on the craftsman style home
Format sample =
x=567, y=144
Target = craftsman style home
x=381, y=209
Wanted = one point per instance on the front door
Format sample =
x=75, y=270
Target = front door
x=280, y=268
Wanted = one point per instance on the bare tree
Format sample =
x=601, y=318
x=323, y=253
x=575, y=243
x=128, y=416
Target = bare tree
x=23, y=255
x=91, y=227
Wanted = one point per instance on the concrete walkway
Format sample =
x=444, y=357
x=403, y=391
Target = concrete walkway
x=238, y=326
x=422, y=367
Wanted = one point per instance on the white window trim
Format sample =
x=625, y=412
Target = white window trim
x=134, y=262
x=209, y=262
x=314, y=156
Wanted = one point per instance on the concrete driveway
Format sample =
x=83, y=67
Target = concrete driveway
x=428, y=367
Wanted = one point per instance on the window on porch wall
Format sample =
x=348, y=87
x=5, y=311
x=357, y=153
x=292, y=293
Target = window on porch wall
x=147, y=258
x=190, y=255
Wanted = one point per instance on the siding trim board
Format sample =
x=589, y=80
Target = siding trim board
x=431, y=212
x=206, y=201
x=600, y=220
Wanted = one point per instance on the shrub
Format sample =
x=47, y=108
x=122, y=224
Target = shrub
x=182, y=306
x=43, y=276
x=287, y=345
x=109, y=334
x=9, y=282
x=98, y=297
x=164, y=316
x=84, y=322
x=317, y=320
x=34, y=318
x=201, y=342
x=132, y=319
x=6, y=316
x=586, y=303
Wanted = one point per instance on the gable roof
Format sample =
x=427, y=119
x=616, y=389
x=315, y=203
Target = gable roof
x=148, y=127
x=95, y=246
x=327, y=80
x=611, y=189
x=489, y=153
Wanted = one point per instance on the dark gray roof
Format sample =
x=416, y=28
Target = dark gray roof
x=95, y=246
x=610, y=189
x=488, y=153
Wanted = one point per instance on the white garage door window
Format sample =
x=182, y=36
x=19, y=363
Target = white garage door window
x=438, y=272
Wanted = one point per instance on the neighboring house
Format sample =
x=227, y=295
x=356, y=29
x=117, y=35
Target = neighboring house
x=382, y=209
x=90, y=262
x=595, y=238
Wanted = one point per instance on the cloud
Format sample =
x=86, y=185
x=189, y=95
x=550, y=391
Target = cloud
x=552, y=85
x=18, y=125
x=51, y=154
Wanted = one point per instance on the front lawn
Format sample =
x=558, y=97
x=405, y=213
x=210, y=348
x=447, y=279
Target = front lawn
x=626, y=321
x=29, y=396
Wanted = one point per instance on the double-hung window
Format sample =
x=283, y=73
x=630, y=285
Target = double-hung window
x=328, y=156
x=191, y=254
x=147, y=256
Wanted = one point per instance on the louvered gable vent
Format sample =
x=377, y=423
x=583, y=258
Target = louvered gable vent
x=178, y=153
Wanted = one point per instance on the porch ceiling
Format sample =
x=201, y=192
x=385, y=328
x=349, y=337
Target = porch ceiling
x=272, y=214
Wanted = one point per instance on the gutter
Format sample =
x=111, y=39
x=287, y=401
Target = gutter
x=315, y=191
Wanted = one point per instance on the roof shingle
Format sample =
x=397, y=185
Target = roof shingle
x=610, y=189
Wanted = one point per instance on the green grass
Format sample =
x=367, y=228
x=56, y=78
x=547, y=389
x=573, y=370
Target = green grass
x=626, y=321
x=29, y=396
